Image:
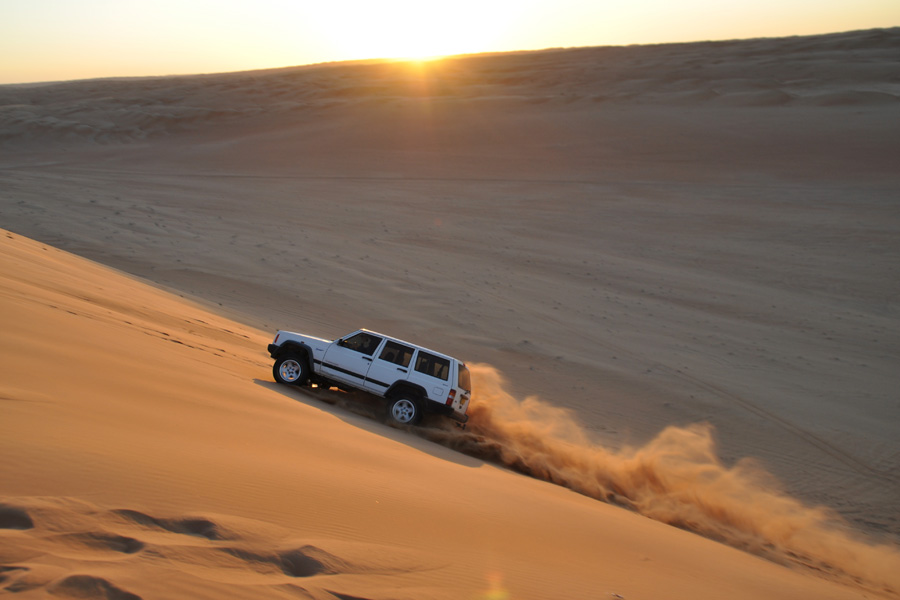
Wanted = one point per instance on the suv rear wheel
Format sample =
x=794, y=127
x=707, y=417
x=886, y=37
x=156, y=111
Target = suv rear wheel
x=404, y=409
x=291, y=369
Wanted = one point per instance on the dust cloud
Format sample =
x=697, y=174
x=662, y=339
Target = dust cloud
x=676, y=478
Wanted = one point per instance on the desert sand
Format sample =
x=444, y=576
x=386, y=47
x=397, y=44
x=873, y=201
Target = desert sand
x=674, y=270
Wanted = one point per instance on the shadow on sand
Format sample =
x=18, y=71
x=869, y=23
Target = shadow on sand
x=367, y=412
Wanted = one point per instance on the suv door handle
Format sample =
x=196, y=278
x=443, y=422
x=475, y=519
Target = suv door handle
x=402, y=369
x=367, y=358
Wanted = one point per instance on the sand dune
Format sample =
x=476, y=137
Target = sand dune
x=145, y=455
x=689, y=247
x=847, y=69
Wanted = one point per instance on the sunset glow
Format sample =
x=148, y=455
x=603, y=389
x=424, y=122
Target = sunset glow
x=416, y=30
x=47, y=40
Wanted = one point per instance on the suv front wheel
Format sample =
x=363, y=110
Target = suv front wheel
x=291, y=369
x=404, y=410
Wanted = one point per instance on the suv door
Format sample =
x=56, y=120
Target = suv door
x=348, y=360
x=432, y=372
x=391, y=364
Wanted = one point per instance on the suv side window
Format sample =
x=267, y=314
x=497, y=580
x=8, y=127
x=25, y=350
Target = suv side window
x=433, y=365
x=396, y=353
x=363, y=342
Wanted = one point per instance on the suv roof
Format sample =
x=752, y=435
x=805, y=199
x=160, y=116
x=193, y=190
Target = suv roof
x=396, y=339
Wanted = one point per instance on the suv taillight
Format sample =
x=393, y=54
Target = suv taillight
x=450, y=397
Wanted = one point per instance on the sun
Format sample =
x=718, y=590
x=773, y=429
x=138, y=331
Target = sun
x=410, y=30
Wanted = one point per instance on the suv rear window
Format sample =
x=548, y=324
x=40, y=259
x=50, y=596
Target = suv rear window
x=433, y=365
x=464, y=380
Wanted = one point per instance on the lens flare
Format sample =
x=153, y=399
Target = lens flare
x=495, y=588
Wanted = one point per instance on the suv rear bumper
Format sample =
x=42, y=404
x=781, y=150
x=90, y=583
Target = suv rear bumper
x=446, y=411
x=458, y=417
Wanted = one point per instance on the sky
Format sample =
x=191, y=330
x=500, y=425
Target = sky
x=53, y=40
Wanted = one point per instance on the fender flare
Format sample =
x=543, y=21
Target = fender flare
x=291, y=347
x=411, y=388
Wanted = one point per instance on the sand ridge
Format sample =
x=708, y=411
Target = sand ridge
x=765, y=72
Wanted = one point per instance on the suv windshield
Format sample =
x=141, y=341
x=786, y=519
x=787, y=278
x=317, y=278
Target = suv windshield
x=464, y=380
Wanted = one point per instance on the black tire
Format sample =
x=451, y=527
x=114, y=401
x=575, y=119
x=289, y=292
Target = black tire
x=291, y=369
x=404, y=409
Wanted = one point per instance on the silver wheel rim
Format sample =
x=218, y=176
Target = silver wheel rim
x=403, y=410
x=290, y=370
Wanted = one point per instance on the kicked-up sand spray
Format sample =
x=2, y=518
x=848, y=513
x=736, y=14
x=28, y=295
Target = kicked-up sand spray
x=676, y=478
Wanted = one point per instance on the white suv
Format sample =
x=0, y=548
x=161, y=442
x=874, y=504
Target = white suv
x=415, y=380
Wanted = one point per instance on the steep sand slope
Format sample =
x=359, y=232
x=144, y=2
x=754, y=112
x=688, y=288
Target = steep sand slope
x=648, y=236
x=146, y=455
